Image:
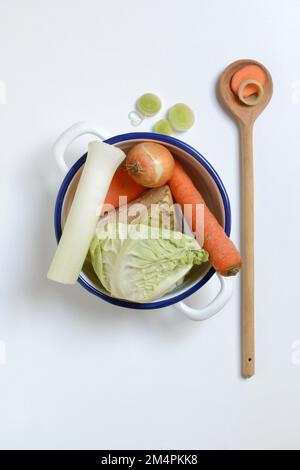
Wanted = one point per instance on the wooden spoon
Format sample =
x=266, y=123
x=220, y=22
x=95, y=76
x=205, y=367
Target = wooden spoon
x=245, y=117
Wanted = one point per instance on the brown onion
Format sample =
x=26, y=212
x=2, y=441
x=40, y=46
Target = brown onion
x=150, y=164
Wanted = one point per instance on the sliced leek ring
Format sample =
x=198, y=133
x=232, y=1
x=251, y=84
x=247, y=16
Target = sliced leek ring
x=163, y=127
x=253, y=101
x=148, y=104
x=135, y=118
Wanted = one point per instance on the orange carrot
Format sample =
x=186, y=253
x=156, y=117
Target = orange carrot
x=223, y=255
x=122, y=185
x=249, y=72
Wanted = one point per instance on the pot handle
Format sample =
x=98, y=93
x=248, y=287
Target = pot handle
x=213, y=307
x=69, y=135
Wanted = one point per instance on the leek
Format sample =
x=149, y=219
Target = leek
x=100, y=166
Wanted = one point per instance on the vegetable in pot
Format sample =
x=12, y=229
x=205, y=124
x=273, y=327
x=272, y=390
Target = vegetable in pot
x=122, y=185
x=150, y=164
x=140, y=263
x=223, y=255
x=154, y=207
x=100, y=166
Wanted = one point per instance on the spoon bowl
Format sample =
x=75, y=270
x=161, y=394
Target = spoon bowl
x=242, y=113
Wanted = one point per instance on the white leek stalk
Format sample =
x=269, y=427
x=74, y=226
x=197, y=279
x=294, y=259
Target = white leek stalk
x=100, y=166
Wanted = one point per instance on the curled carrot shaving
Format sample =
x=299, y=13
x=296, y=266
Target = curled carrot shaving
x=249, y=72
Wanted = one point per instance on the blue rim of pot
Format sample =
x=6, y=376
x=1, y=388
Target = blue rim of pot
x=169, y=140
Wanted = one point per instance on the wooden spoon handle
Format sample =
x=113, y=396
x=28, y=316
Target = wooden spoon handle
x=248, y=359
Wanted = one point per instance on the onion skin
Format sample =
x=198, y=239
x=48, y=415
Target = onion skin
x=150, y=164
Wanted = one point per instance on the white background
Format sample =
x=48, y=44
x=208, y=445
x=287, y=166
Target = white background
x=80, y=373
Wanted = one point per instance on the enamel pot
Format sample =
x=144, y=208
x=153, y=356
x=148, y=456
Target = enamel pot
x=204, y=177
